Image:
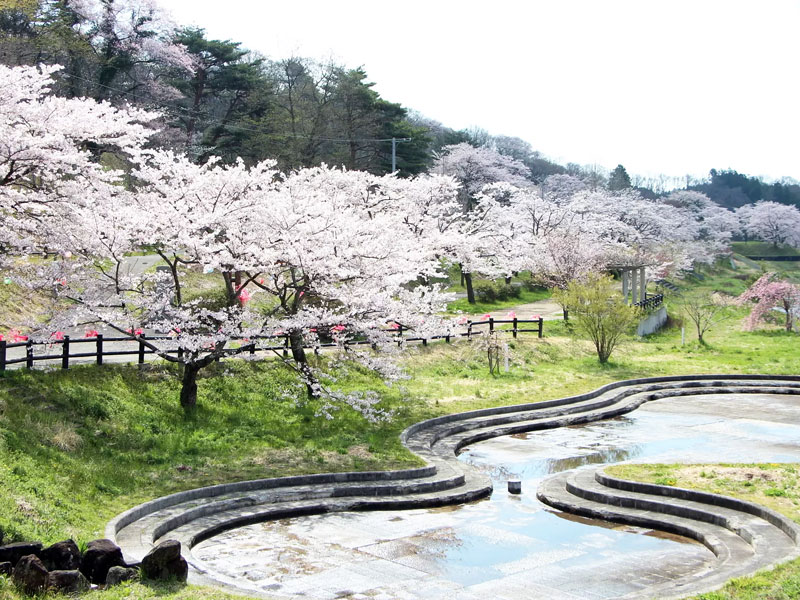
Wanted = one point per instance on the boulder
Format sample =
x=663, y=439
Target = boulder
x=165, y=562
x=30, y=574
x=99, y=557
x=13, y=552
x=117, y=575
x=68, y=582
x=6, y=568
x=61, y=556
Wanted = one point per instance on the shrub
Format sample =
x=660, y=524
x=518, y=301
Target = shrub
x=485, y=292
x=496, y=292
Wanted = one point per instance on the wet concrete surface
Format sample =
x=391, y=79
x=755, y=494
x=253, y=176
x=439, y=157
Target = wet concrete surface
x=513, y=546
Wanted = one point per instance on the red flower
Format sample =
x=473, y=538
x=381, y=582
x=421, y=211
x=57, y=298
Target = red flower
x=90, y=333
x=57, y=335
x=244, y=296
x=486, y=317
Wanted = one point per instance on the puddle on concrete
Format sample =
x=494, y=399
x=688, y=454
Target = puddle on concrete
x=503, y=545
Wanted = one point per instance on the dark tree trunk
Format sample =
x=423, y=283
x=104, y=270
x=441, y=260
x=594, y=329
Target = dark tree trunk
x=461, y=271
x=566, y=314
x=508, y=280
x=299, y=356
x=189, y=385
x=470, y=290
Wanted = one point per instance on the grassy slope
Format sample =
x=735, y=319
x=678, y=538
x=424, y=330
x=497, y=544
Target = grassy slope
x=776, y=486
x=78, y=447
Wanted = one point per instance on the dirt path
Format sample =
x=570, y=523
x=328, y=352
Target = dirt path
x=548, y=310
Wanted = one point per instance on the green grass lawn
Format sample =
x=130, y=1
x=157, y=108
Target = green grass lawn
x=774, y=485
x=764, y=249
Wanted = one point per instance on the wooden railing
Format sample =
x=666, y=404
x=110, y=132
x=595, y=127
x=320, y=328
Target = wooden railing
x=651, y=302
x=63, y=350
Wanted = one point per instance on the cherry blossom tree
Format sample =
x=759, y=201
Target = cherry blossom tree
x=334, y=259
x=310, y=254
x=772, y=222
x=475, y=167
x=129, y=38
x=49, y=150
x=194, y=218
x=561, y=188
x=768, y=293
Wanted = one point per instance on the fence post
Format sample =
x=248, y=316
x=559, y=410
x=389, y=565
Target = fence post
x=469, y=329
x=65, y=353
x=253, y=348
x=541, y=320
x=99, y=342
x=141, y=349
x=29, y=354
x=3, y=355
x=491, y=324
x=424, y=341
x=286, y=346
x=515, y=328
x=400, y=334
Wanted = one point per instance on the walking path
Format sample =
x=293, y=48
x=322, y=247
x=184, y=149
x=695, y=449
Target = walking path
x=741, y=537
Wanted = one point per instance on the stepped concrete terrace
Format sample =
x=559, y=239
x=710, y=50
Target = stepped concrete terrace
x=743, y=538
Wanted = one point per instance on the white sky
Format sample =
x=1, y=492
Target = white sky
x=661, y=86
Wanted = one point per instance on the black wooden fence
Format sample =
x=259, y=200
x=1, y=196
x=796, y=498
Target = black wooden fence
x=65, y=349
x=650, y=302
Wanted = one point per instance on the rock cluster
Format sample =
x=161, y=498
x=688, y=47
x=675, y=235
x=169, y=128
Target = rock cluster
x=62, y=567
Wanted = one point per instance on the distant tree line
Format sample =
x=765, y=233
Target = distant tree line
x=732, y=190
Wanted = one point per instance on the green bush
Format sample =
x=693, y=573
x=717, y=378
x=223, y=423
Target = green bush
x=485, y=292
x=506, y=291
x=499, y=291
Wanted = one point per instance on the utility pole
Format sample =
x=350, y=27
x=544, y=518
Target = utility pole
x=394, y=151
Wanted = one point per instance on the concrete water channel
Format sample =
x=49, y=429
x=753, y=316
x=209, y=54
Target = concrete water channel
x=513, y=546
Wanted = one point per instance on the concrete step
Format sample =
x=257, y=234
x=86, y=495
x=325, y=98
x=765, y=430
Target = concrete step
x=743, y=536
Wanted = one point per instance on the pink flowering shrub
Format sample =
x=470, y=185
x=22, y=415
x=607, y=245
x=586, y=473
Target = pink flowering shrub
x=767, y=293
